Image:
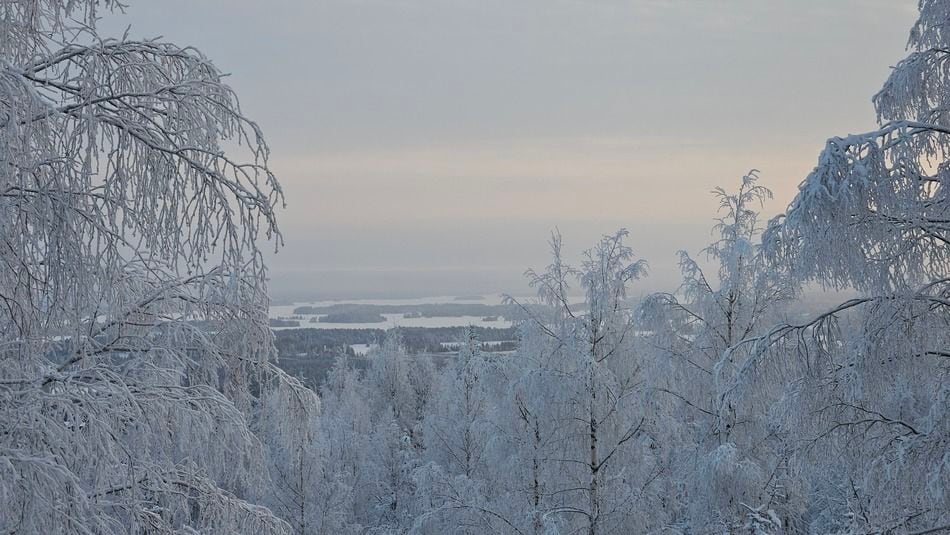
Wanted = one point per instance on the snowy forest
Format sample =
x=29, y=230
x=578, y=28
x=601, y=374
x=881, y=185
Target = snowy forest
x=139, y=391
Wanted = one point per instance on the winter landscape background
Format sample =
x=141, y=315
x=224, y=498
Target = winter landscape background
x=480, y=267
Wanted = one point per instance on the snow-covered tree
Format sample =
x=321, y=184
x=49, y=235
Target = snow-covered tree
x=532, y=432
x=691, y=329
x=458, y=427
x=347, y=422
x=388, y=382
x=134, y=346
x=867, y=393
x=390, y=486
x=461, y=433
x=607, y=456
x=711, y=314
x=305, y=490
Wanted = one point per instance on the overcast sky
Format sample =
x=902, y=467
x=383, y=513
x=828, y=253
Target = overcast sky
x=424, y=143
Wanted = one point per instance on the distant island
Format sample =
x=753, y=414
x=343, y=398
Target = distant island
x=429, y=310
x=281, y=322
x=352, y=316
x=470, y=298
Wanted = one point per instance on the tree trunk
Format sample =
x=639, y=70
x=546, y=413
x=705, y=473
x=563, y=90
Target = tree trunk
x=594, y=490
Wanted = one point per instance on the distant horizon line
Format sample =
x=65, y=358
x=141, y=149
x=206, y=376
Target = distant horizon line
x=391, y=269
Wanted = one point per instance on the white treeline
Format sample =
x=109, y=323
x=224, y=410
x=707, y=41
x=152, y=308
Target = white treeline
x=730, y=405
x=138, y=392
x=605, y=420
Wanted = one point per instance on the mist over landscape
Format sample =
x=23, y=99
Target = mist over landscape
x=431, y=147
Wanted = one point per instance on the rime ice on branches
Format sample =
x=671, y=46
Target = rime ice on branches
x=135, y=358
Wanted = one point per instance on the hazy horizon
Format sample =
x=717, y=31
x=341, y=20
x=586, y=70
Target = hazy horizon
x=431, y=147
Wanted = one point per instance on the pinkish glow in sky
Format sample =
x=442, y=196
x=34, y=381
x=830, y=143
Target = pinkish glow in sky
x=445, y=137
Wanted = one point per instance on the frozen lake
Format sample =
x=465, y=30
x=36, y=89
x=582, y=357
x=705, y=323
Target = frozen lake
x=394, y=320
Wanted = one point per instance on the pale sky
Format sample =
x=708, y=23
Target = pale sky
x=429, y=146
